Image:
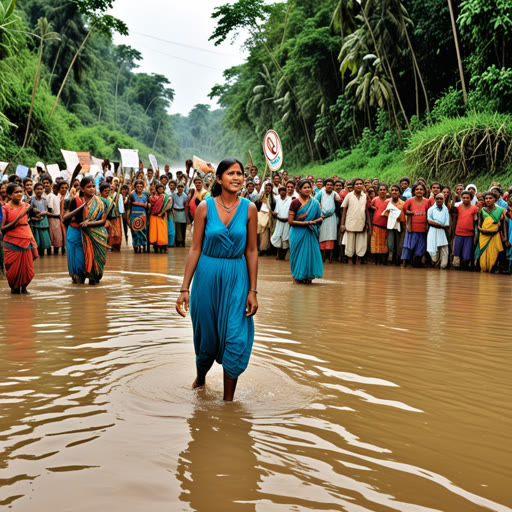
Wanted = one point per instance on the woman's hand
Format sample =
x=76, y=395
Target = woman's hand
x=252, y=304
x=84, y=224
x=182, y=304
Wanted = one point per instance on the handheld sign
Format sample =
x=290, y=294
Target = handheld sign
x=71, y=159
x=22, y=171
x=130, y=158
x=84, y=158
x=273, y=150
x=153, y=162
x=53, y=170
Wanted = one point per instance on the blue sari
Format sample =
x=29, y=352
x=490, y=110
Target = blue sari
x=305, y=255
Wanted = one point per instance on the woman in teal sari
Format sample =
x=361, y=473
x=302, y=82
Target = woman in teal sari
x=304, y=217
x=86, y=237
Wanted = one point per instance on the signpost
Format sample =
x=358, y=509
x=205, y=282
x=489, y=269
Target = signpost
x=273, y=150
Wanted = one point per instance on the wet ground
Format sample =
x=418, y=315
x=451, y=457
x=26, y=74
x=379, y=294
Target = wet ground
x=374, y=389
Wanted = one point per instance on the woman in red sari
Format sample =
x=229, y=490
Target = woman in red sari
x=20, y=248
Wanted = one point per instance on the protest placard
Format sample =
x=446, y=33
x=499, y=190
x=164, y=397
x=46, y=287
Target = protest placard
x=53, y=171
x=71, y=159
x=84, y=158
x=153, y=162
x=22, y=171
x=130, y=158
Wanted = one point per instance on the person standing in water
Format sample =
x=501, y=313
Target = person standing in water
x=304, y=218
x=18, y=242
x=223, y=260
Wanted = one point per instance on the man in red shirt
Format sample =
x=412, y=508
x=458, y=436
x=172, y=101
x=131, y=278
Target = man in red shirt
x=463, y=247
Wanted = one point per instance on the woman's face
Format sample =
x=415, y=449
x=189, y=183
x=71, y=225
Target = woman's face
x=63, y=189
x=305, y=191
x=199, y=185
x=89, y=189
x=489, y=200
x=435, y=189
x=395, y=193
x=319, y=184
x=382, y=192
x=290, y=189
x=371, y=193
x=160, y=190
x=232, y=179
x=3, y=189
x=250, y=188
x=419, y=192
x=459, y=189
x=446, y=193
x=367, y=184
x=17, y=195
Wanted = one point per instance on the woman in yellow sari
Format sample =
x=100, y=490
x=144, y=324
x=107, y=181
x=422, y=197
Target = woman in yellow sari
x=491, y=227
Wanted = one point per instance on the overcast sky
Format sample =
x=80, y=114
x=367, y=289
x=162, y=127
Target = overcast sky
x=191, y=71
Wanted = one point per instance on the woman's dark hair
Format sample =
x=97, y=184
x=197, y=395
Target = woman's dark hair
x=419, y=184
x=466, y=193
x=159, y=185
x=302, y=182
x=12, y=187
x=329, y=180
x=383, y=185
x=86, y=181
x=103, y=186
x=105, y=163
x=221, y=169
x=26, y=180
x=488, y=193
x=125, y=186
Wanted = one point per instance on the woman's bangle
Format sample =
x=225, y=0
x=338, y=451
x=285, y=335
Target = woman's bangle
x=181, y=291
x=255, y=291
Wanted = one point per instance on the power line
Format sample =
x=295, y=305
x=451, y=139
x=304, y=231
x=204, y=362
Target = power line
x=184, y=45
x=187, y=60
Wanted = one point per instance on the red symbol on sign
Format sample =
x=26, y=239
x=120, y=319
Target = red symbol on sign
x=271, y=146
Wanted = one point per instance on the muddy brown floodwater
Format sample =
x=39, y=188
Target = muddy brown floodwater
x=374, y=389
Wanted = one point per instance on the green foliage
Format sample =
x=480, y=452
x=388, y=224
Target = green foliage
x=492, y=90
x=462, y=148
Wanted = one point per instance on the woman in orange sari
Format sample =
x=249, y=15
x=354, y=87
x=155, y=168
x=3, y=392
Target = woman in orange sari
x=158, y=236
x=20, y=248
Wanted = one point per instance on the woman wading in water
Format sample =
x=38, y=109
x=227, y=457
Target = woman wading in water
x=223, y=260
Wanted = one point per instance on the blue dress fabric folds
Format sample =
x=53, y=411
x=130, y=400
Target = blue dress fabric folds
x=305, y=255
x=219, y=291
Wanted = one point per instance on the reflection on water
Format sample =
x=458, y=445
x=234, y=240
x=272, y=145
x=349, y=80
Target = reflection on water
x=375, y=389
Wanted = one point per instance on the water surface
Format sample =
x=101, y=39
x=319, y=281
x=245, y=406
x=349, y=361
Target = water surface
x=374, y=389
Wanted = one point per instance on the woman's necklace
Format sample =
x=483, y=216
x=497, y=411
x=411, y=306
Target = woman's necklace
x=229, y=209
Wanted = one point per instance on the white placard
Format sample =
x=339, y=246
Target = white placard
x=71, y=159
x=94, y=170
x=96, y=161
x=153, y=162
x=273, y=150
x=130, y=158
x=53, y=170
x=3, y=166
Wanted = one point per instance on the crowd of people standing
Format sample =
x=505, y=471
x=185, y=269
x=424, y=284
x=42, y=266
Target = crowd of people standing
x=316, y=220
